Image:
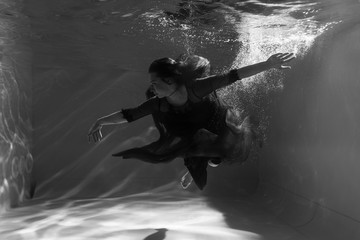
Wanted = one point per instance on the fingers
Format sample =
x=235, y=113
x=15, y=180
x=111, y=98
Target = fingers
x=286, y=57
x=285, y=67
x=92, y=129
x=281, y=58
x=96, y=136
x=277, y=55
x=91, y=134
x=95, y=132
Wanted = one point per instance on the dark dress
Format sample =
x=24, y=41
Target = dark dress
x=203, y=128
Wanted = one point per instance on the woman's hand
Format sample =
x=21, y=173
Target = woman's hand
x=95, y=132
x=277, y=60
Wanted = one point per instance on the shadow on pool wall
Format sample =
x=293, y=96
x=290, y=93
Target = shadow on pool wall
x=310, y=165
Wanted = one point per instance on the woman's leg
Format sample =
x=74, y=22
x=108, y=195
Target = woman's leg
x=197, y=168
x=186, y=180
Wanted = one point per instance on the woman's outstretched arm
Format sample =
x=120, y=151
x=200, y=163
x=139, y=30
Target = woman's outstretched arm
x=205, y=86
x=123, y=116
x=275, y=61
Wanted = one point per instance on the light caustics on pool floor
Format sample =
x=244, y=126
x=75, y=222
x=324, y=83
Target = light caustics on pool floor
x=135, y=217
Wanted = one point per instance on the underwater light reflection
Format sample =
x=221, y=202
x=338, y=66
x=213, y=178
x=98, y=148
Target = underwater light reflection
x=133, y=217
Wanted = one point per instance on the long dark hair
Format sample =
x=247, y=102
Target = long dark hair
x=185, y=67
x=193, y=66
x=165, y=67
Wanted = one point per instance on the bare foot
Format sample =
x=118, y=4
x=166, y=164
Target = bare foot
x=186, y=180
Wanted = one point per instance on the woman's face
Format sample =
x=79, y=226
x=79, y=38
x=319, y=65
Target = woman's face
x=161, y=88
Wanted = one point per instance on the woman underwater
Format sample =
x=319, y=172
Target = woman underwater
x=193, y=122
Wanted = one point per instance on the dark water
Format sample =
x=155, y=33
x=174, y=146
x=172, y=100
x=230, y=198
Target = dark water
x=90, y=59
x=126, y=36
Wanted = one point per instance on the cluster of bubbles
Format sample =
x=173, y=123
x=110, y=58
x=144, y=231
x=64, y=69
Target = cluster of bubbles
x=282, y=27
x=16, y=161
x=193, y=25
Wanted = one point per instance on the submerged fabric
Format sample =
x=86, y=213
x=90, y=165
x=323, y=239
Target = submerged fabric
x=204, y=128
x=202, y=110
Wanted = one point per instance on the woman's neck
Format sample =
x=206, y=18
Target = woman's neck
x=179, y=97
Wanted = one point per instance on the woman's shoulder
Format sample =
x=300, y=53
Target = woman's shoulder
x=194, y=89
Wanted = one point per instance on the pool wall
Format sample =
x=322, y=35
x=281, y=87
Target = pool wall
x=16, y=161
x=310, y=166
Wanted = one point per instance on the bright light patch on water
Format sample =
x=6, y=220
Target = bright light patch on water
x=280, y=27
x=281, y=31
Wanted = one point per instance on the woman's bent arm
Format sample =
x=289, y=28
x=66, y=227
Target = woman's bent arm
x=95, y=130
x=123, y=116
x=114, y=118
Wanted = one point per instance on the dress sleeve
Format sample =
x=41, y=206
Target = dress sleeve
x=150, y=106
x=204, y=86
